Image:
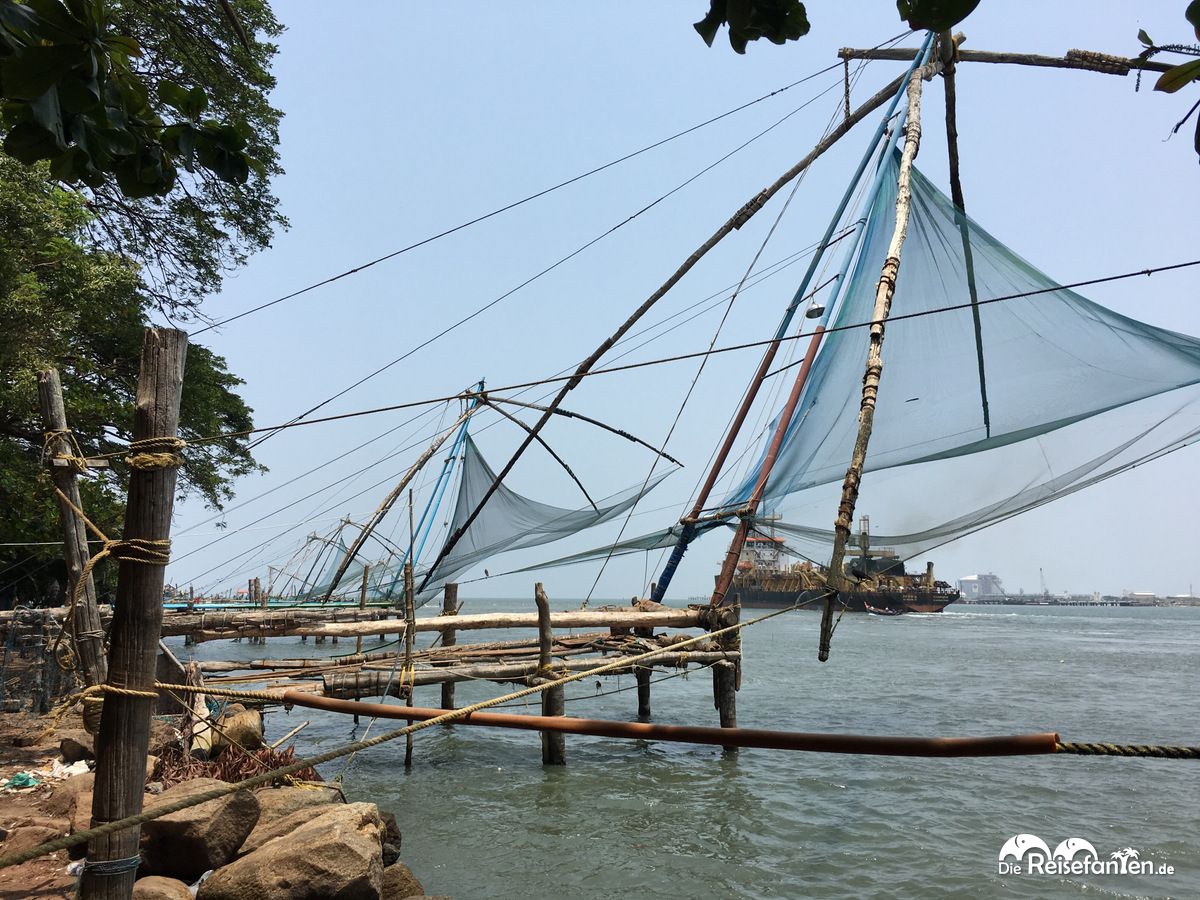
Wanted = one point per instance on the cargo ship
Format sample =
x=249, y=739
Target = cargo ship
x=767, y=577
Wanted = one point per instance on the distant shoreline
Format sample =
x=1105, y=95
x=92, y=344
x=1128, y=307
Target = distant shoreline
x=1125, y=602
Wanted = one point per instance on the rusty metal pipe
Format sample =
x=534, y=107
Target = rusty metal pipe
x=869, y=745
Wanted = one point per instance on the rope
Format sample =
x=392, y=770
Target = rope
x=1159, y=751
x=73, y=453
x=113, y=866
x=1099, y=62
x=140, y=550
x=156, y=453
x=81, y=837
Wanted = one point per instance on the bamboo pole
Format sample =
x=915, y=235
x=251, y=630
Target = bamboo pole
x=125, y=723
x=372, y=683
x=88, y=631
x=884, y=291
x=1085, y=60
x=740, y=218
x=617, y=618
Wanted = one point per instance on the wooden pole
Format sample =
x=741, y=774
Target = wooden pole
x=874, y=371
x=409, y=633
x=125, y=723
x=1086, y=60
x=449, y=636
x=554, y=701
x=362, y=604
x=727, y=677
x=946, y=48
x=89, y=634
x=642, y=674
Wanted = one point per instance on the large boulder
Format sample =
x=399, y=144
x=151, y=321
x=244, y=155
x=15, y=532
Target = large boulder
x=399, y=883
x=335, y=856
x=33, y=830
x=155, y=887
x=283, y=810
x=187, y=843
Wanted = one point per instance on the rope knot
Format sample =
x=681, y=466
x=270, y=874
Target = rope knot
x=60, y=443
x=156, y=453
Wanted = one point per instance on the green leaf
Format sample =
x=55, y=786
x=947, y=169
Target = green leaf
x=1174, y=78
x=30, y=143
x=1192, y=14
x=197, y=102
x=935, y=15
x=708, y=27
x=120, y=43
x=1145, y=38
x=56, y=17
x=172, y=94
x=33, y=71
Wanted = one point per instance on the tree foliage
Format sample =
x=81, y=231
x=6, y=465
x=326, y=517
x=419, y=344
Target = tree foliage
x=157, y=111
x=82, y=311
x=1178, y=77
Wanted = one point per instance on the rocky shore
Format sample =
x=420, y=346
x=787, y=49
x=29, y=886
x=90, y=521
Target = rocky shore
x=286, y=842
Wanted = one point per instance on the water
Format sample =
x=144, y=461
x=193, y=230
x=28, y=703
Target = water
x=482, y=818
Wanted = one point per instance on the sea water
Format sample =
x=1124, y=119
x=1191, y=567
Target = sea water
x=482, y=818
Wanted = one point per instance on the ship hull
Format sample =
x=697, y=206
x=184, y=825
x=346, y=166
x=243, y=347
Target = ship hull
x=854, y=601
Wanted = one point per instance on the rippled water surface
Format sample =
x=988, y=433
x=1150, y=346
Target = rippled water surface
x=482, y=818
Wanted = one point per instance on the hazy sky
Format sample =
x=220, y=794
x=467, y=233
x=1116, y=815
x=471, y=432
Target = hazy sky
x=404, y=120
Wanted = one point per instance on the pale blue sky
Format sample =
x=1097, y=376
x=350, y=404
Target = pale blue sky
x=403, y=120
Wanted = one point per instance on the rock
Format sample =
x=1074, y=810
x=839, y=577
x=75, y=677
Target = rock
x=335, y=855
x=282, y=810
x=76, y=745
x=154, y=787
x=188, y=843
x=399, y=882
x=238, y=725
x=66, y=794
x=391, y=838
x=24, y=837
x=155, y=887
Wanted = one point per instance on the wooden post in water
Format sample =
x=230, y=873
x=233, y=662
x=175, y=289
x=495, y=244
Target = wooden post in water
x=410, y=615
x=727, y=675
x=124, y=737
x=449, y=637
x=642, y=674
x=362, y=603
x=554, y=744
x=89, y=634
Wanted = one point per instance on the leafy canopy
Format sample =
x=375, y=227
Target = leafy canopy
x=157, y=111
x=81, y=311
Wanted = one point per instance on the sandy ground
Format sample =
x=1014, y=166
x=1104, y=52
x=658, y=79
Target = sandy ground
x=45, y=877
